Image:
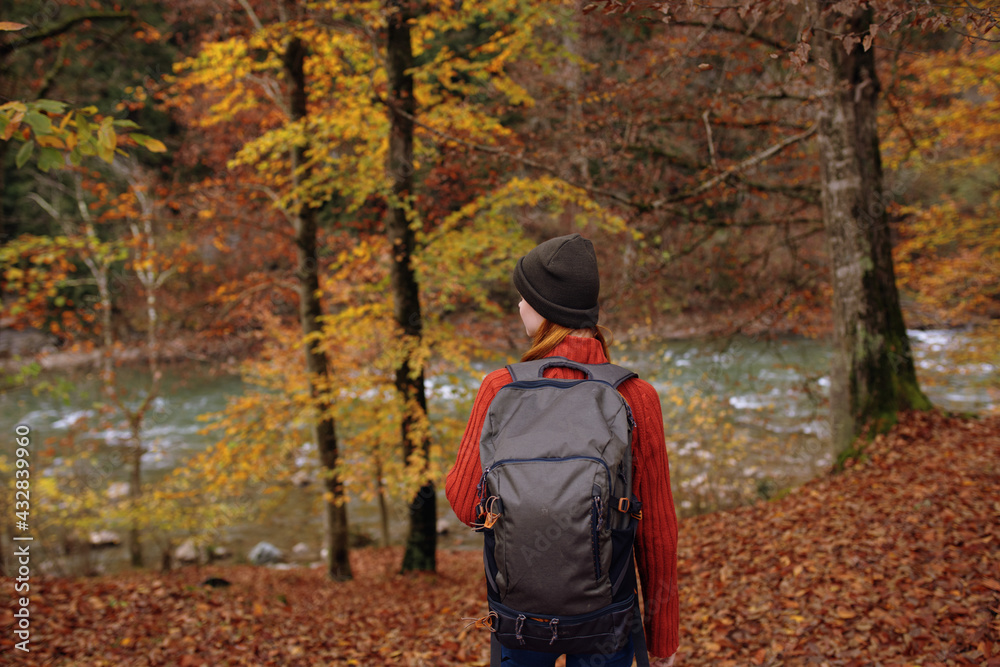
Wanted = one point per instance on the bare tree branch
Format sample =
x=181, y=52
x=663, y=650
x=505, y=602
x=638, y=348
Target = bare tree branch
x=22, y=41
x=622, y=199
x=747, y=32
x=736, y=168
x=253, y=15
x=711, y=144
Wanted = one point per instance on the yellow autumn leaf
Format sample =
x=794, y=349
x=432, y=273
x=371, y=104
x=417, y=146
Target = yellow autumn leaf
x=50, y=141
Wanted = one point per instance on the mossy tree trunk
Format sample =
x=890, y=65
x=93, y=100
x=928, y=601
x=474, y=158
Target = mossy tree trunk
x=872, y=375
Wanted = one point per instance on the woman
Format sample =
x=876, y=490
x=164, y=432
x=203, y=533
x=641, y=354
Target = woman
x=559, y=285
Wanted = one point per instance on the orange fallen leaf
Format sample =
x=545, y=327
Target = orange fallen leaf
x=992, y=584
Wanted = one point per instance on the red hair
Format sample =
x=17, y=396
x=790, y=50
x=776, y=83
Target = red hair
x=549, y=335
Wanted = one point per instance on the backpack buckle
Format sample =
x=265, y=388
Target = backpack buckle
x=633, y=509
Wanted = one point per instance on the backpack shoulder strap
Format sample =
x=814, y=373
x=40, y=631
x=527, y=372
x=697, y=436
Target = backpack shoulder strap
x=533, y=370
x=612, y=374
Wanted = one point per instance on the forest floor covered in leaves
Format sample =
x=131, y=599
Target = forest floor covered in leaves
x=895, y=561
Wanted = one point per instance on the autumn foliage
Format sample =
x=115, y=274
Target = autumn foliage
x=686, y=149
x=892, y=562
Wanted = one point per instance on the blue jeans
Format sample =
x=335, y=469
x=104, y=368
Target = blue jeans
x=521, y=658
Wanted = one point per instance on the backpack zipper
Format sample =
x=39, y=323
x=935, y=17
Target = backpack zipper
x=481, y=487
x=543, y=620
x=596, y=523
x=555, y=382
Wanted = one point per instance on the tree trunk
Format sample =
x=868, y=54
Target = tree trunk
x=6, y=233
x=150, y=277
x=872, y=374
x=135, y=500
x=310, y=312
x=421, y=543
x=383, y=508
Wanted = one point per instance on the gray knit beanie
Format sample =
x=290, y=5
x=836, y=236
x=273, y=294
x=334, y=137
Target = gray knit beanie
x=559, y=280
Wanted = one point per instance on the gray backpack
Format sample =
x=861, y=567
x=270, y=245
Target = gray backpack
x=557, y=512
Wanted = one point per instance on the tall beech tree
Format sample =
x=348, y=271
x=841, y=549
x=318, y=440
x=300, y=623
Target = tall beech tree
x=303, y=218
x=872, y=372
x=421, y=542
x=265, y=69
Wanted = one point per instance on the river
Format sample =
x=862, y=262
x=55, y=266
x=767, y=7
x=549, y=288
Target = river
x=745, y=418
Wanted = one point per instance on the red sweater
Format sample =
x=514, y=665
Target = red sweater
x=656, y=541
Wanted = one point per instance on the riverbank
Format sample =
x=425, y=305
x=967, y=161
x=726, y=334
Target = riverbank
x=18, y=348
x=892, y=562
